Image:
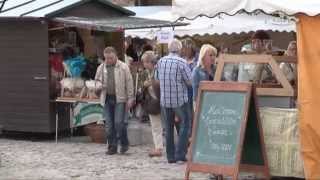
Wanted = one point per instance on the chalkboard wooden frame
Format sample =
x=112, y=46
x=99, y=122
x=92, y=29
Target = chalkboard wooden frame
x=285, y=90
x=256, y=122
x=228, y=170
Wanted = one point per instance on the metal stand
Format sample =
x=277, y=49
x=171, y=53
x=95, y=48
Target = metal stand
x=57, y=121
x=71, y=115
x=71, y=102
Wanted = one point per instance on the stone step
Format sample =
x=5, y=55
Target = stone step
x=139, y=133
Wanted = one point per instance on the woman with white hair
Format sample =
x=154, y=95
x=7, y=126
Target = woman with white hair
x=205, y=69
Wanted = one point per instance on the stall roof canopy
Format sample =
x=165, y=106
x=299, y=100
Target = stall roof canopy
x=192, y=8
x=52, y=8
x=204, y=25
x=47, y=8
x=114, y=23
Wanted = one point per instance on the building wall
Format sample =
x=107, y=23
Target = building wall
x=24, y=70
x=143, y=2
x=124, y=2
x=91, y=10
x=154, y=2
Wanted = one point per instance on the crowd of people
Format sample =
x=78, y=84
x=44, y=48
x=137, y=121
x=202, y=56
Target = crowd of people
x=170, y=88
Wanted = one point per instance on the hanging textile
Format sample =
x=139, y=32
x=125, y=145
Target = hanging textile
x=308, y=93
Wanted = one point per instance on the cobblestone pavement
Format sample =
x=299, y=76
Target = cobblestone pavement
x=21, y=159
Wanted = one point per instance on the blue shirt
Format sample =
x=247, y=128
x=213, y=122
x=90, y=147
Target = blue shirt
x=173, y=73
x=199, y=74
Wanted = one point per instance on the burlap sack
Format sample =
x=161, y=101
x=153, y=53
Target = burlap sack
x=281, y=135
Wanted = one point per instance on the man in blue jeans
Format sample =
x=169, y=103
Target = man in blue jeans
x=117, y=98
x=174, y=76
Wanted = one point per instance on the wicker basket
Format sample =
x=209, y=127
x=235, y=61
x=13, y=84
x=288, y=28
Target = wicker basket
x=96, y=132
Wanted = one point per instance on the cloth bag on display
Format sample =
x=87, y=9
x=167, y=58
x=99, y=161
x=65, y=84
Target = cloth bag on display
x=282, y=139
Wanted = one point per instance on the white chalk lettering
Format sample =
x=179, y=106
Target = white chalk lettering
x=221, y=147
x=221, y=110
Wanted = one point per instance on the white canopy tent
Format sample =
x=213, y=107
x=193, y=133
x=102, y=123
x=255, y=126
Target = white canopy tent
x=193, y=8
x=204, y=25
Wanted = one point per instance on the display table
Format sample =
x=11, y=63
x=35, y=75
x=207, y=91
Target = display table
x=81, y=112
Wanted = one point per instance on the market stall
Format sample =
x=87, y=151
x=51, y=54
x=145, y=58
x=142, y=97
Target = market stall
x=50, y=50
x=307, y=21
x=226, y=31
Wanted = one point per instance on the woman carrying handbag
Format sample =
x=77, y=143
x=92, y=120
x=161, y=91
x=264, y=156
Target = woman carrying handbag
x=151, y=102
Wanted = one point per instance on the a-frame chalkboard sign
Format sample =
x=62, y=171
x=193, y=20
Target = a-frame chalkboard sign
x=227, y=135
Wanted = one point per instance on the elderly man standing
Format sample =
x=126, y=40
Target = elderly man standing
x=117, y=98
x=174, y=76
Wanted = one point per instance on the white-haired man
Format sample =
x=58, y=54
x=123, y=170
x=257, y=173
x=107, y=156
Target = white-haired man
x=174, y=76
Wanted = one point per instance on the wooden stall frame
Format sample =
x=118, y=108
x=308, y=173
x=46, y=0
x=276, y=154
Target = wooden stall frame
x=286, y=90
x=253, y=168
x=231, y=170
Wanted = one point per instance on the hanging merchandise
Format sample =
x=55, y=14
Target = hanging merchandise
x=55, y=61
x=75, y=66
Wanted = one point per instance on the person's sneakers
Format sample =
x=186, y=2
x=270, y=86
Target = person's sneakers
x=124, y=149
x=172, y=161
x=181, y=161
x=111, y=151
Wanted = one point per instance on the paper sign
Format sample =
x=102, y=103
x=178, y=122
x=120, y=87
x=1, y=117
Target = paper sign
x=164, y=37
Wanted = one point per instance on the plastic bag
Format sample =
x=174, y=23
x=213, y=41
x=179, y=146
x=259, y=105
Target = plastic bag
x=71, y=87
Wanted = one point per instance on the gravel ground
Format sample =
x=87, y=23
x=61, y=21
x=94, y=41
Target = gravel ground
x=21, y=159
